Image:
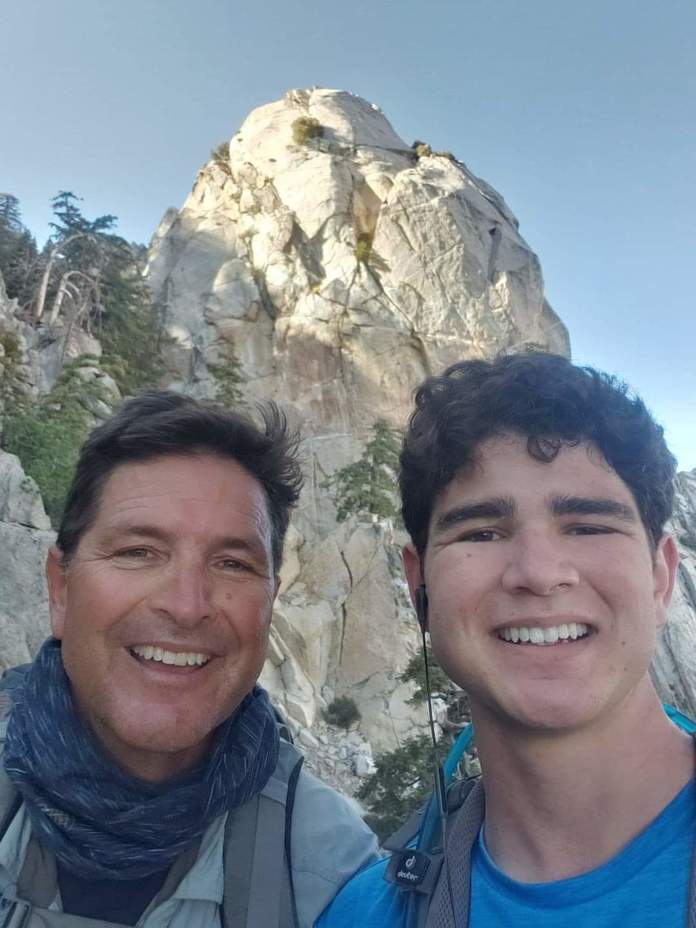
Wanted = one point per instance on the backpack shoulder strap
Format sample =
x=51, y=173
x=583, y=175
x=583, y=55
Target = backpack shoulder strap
x=258, y=890
x=416, y=869
x=10, y=800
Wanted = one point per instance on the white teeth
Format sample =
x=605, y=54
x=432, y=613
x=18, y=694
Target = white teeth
x=537, y=635
x=173, y=658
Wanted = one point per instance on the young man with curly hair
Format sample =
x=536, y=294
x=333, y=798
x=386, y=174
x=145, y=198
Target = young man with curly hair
x=536, y=493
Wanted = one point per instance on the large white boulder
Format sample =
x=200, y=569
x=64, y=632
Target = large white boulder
x=25, y=537
x=344, y=269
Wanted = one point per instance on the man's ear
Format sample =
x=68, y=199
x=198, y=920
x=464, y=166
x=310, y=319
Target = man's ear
x=664, y=575
x=413, y=569
x=56, y=578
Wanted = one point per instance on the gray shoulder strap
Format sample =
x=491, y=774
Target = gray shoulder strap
x=453, y=890
x=10, y=799
x=258, y=889
x=416, y=868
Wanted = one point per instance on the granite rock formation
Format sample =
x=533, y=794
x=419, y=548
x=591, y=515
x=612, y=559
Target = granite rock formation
x=339, y=266
x=25, y=537
x=341, y=270
x=674, y=668
x=324, y=263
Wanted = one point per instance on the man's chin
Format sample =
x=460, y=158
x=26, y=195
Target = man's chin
x=159, y=751
x=535, y=716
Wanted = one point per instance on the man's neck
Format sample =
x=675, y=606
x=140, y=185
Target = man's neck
x=561, y=805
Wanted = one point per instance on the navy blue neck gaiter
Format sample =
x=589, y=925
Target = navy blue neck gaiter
x=101, y=821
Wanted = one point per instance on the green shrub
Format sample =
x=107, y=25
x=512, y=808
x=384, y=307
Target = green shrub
x=440, y=683
x=369, y=484
x=403, y=778
x=47, y=435
x=421, y=149
x=221, y=157
x=227, y=374
x=342, y=712
x=14, y=384
x=363, y=247
x=402, y=781
x=365, y=254
x=305, y=128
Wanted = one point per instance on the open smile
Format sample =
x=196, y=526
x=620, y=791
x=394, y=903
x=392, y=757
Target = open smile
x=157, y=656
x=565, y=633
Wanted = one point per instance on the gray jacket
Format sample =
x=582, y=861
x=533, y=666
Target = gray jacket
x=328, y=844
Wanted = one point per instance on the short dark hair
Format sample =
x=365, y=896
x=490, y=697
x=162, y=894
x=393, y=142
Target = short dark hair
x=159, y=423
x=550, y=401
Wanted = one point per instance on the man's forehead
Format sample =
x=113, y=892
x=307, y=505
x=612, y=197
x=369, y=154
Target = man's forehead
x=198, y=478
x=505, y=463
x=535, y=450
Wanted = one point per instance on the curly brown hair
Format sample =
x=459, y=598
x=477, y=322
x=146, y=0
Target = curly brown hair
x=550, y=401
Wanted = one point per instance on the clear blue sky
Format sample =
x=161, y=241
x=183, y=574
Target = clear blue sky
x=582, y=114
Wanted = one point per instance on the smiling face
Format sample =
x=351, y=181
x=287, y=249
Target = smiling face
x=164, y=609
x=544, y=596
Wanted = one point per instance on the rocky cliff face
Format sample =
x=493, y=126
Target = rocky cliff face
x=25, y=537
x=343, y=269
x=674, y=669
x=333, y=267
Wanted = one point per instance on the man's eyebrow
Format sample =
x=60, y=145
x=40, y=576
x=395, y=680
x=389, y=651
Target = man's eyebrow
x=126, y=530
x=497, y=507
x=117, y=532
x=592, y=506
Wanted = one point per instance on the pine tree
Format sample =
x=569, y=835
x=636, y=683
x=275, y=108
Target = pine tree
x=403, y=778
x=402, y=781
x=18, y=252
x=74, y=261
x=228, y=374
x=126, y=322
x=368, y=486
x=47, y=435
x=93, y=279
x=14, y=383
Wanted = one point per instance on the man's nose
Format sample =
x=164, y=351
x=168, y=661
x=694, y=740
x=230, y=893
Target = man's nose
x=538, y=564
x=184, y=593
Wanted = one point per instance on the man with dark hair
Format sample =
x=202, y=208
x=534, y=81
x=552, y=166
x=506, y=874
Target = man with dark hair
x=536, y=493
x=144, y=778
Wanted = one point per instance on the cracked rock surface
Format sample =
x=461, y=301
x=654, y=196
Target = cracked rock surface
x=674, y=668
x=341, y=271
x=344, y=270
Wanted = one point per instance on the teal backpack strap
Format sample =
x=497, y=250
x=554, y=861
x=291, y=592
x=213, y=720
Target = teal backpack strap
x=679, y=719
x=417, y=851
x=258, y=891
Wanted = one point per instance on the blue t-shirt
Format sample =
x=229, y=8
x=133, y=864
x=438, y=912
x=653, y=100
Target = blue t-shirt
x=644, y=886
